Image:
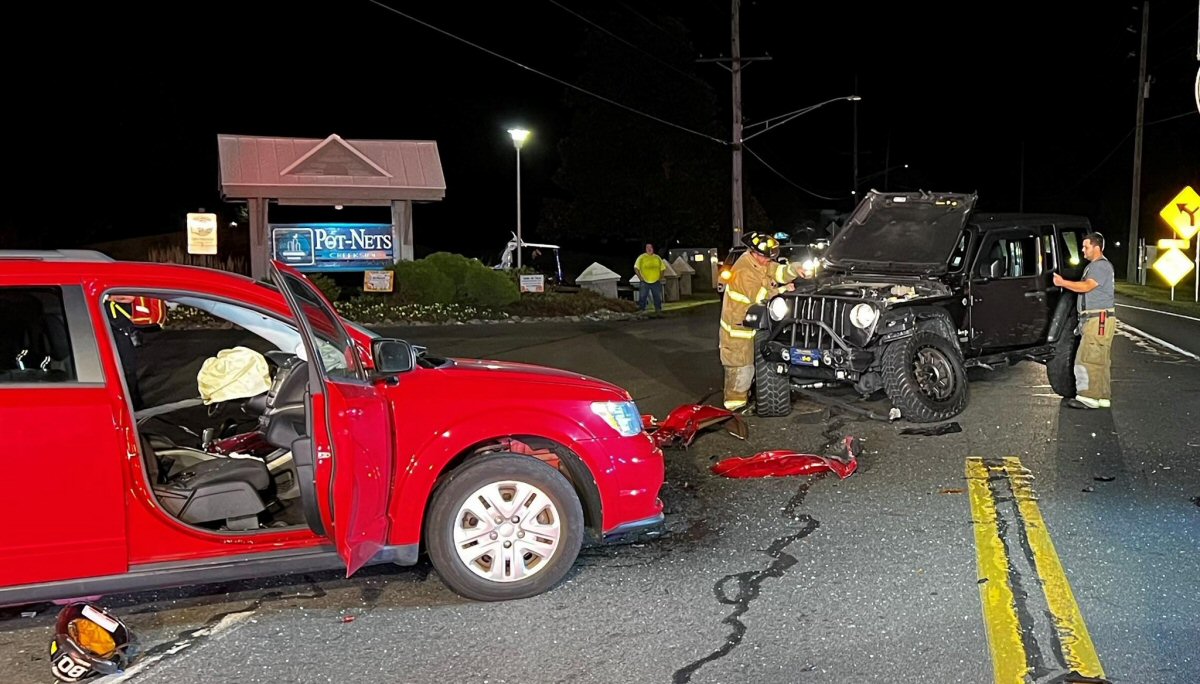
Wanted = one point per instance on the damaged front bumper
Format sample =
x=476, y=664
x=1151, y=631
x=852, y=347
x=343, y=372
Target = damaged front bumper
x=828, y=348
x=838, y=363
x=636, y=531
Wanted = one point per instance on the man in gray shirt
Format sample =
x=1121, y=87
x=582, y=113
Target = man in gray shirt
x=1097, y=324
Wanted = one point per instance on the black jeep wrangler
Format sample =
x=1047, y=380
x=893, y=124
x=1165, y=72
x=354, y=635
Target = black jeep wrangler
x=915, y=289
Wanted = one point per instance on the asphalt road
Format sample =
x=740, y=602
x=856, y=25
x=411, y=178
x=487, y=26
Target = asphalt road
x=871, y=578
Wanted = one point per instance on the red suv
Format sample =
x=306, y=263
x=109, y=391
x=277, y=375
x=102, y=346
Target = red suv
x=374, y=452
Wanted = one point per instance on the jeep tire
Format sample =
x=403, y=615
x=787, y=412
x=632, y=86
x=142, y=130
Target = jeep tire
x=1060, y=368
x=925, y=377
x=772, y=391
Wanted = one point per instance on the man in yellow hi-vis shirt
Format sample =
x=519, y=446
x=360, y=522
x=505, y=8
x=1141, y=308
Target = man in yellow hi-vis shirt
x=649, y=268
x=756, y=276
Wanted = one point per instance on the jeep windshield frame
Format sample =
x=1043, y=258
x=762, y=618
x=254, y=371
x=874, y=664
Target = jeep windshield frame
x=911, y=233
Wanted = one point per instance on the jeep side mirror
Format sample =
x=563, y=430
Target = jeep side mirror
x=392, y=356
x=996, y=269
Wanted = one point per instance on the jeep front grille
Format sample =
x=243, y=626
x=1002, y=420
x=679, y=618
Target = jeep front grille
x=832, y=311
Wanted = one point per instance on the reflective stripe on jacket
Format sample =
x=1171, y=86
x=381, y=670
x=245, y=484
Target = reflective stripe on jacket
x=751, y=282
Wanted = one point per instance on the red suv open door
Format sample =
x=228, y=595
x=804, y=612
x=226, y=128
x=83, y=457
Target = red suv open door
x=349, y=427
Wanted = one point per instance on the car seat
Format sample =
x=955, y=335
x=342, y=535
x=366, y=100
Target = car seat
x=208, y=490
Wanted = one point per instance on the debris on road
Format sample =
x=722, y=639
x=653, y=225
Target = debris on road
x=347, y=618
x=933, y=430
x=783, y=463
x=1104, y=478
x=952, y=491
x=1089, y=489
x=680, y=426
x=834, y=402
x=29, y=613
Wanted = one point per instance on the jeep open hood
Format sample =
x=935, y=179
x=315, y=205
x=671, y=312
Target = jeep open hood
x=904, y=232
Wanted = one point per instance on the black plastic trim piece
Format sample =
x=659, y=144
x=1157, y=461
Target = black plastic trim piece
x=180, y=573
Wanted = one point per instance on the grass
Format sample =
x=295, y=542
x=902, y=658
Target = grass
x=1160, y=297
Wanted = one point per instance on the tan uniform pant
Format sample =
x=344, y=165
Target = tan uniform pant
x=1093, y=360
x=737, y=356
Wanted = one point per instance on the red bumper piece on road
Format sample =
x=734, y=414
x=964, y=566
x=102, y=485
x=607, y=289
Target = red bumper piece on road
x=681, y=425
x=784, y=464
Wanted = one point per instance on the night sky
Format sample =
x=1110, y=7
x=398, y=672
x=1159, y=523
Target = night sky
x=114, y=110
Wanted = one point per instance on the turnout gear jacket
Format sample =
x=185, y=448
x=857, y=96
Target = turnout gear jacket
x=751, y=282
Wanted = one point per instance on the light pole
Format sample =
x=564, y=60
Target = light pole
x=519, y=135
x=741, y=134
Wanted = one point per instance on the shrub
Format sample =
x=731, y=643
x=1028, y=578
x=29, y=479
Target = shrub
x=326, y=285
x=559, y=304
x=421, y=282
x=455, y=267
x=371, y=309
x=486, y=288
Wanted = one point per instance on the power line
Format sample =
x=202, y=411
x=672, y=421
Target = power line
x=1169, y=118
x=1116, y=147
x=614, y=36
x=1096, y=168
x=788, y=180
x=641, y=16
x=543, y=74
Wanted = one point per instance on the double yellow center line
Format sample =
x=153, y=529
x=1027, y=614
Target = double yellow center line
x=1011, y=541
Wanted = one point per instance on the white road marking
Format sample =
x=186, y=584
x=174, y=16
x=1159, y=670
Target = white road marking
x=223, y=625
x=1165, y=313
x=1129, y=328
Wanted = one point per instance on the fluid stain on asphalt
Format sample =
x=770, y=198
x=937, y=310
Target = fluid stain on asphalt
x=740, y=589
x=747, y=585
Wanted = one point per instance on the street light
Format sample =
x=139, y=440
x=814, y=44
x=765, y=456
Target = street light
x=519, y=135
x=740, y=139
x=780, y=120
x=885, y=172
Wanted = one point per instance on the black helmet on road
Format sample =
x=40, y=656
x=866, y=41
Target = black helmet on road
x=88, y=640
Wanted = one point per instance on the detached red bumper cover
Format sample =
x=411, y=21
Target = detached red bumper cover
x=681, y=425
x=784, y=463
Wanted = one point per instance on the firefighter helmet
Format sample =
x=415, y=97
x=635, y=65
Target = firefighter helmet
x=88, y=640
x=765, y=245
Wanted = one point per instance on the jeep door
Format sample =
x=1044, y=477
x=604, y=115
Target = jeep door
x=1008, y=295
x=348, y=448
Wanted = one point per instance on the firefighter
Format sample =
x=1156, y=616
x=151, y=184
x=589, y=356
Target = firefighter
x=756, y=277
x=121, y=315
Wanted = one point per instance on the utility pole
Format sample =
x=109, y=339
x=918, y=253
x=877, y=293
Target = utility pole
x=735, y=67
x=1131, y=264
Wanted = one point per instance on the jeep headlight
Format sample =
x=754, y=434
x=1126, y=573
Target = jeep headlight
x=779, y=309
x=863, y=315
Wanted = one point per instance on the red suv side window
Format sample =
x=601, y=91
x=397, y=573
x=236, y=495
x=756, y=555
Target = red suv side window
x=35, y=346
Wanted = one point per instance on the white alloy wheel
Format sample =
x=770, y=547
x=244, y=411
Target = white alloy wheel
x=507, y=531
x=503, y=526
